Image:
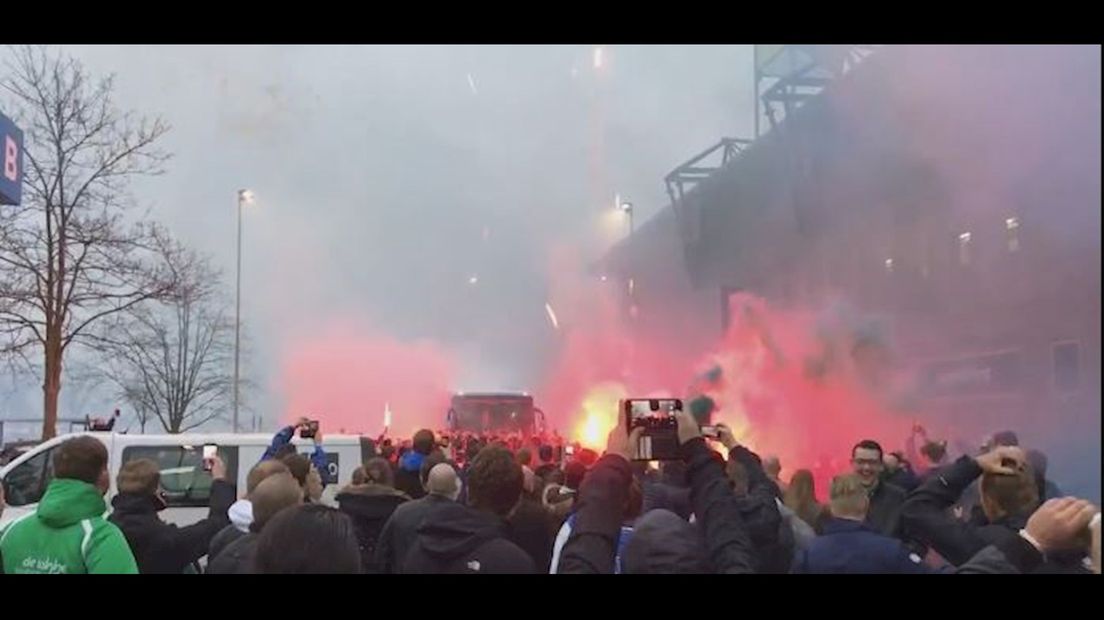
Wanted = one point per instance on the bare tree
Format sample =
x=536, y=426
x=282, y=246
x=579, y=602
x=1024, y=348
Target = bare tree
x=67, y=257
x=171, y=357
x=142, y=416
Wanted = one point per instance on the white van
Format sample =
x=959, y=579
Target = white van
x=186, y=485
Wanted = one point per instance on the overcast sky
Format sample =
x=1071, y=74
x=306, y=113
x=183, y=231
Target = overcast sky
x=387, y=176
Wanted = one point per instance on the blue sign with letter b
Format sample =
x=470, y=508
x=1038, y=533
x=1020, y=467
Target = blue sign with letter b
x=11, y=162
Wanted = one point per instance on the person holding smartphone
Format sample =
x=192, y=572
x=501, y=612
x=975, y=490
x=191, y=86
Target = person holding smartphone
x=1009, y=495
x=307, y=429
x=662, y=542
x=159, y=547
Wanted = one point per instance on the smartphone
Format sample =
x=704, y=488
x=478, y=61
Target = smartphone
x=210, y=451
x=659, y=441
x=711, y=432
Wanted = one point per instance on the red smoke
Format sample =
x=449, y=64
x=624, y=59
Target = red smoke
x=346, y=375
x=800, y=385
x=805, y=387
x=598, y=350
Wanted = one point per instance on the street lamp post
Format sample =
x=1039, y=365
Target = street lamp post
x=628, y=209
x=244, y=197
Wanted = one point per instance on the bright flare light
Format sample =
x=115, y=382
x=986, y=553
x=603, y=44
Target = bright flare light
x=246, y=196
x=599, y=411
x=551, y=315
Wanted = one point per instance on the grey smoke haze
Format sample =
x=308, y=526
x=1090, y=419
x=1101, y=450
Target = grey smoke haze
x=377, y=170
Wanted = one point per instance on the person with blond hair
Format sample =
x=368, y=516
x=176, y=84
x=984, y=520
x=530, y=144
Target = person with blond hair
x=1009, y=495
x=847, y=545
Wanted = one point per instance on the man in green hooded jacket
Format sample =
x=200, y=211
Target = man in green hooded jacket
x=67, y=533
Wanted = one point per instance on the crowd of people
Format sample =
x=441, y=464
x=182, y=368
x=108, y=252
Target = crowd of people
x=481, y=503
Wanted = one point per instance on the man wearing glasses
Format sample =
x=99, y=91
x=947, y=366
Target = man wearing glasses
x=885, y=499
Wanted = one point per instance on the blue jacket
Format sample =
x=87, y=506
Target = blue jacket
x=318, y=457
x=849, y=547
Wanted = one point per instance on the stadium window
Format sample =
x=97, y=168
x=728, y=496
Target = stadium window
x=1012, y=233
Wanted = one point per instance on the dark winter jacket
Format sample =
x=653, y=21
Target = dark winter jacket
x=884, y=514
x=720, y=513
x=925, y=516
x=564, y=534
x=530, y=527
x=599, y=512
x=369, y=506
x=850, y=547
x=931, y=472
x=163, y=548
x=903, y=478
x=770, y=535
x=1013, y=555
x=226, y=535
x=236, y=558
x=400, y=530
x=458, y=539
x=1050, y=490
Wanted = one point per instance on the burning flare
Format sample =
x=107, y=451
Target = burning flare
x=598, y=414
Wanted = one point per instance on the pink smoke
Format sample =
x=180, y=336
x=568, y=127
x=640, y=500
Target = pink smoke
x=599, y=345
x=347, y=373
x=794, y=384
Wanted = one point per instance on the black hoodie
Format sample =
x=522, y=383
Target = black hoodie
x=458, y=539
